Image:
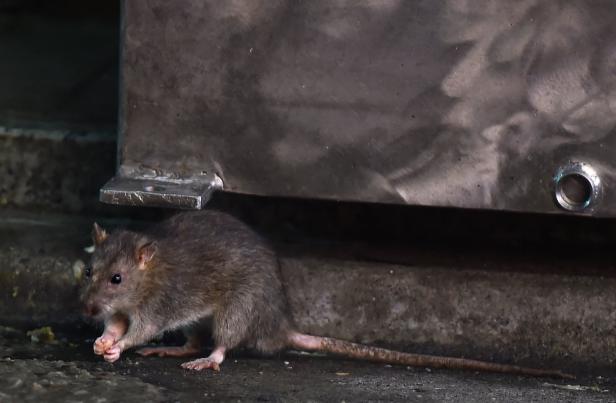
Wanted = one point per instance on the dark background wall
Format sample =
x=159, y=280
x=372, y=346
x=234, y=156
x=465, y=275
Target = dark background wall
x=59, y=67
x=58, y=102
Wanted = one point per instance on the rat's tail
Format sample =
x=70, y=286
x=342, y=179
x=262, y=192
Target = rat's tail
x=348, y=349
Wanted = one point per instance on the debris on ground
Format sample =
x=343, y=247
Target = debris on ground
x=42, y=335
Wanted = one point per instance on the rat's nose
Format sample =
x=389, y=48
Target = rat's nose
x=91, y=309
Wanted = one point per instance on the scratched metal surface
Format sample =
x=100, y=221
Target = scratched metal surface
x=447, y=103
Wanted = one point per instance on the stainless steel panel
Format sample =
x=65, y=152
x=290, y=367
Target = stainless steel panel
x=475, y=104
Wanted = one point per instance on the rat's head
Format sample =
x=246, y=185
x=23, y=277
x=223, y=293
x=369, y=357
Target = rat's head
x=113, y=280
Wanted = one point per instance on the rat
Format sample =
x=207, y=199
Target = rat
x=208, y=269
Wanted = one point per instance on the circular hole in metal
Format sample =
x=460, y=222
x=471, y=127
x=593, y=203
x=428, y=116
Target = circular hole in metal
x=152, y=188
x=574, y=191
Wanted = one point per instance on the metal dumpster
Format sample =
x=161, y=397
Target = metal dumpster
x=475, y=104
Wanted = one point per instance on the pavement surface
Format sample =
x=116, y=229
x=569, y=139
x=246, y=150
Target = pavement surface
x=64, y=369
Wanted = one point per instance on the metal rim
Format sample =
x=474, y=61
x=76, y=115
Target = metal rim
x=585, y=175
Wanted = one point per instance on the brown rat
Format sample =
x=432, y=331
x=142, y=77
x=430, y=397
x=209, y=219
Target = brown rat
x=208, y=265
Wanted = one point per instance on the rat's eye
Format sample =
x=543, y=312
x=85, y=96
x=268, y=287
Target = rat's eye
x=116, y=279
x=87, y=271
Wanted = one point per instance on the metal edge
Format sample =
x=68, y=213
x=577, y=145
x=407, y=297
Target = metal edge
x=190, y=194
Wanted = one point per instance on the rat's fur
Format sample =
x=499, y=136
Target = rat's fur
x=207, y=264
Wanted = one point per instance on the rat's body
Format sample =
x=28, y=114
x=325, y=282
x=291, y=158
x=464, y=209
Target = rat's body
x=203, y=266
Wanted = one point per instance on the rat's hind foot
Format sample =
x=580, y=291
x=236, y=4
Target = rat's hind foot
x=202, y=363
x=182, y=351
x=212, y=362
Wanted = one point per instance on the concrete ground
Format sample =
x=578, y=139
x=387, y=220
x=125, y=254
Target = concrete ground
x=68, y=371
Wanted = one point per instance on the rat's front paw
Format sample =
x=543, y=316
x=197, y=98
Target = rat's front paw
x=112, y=354
x=102, y=344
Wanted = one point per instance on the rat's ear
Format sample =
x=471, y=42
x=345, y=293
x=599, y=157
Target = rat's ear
x=98, y=234
x=145, y=253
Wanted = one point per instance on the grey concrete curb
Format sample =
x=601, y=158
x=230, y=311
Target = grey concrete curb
x=54, y=170
x=497, y=306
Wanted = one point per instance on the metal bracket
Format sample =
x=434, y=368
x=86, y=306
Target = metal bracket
x=160, y=191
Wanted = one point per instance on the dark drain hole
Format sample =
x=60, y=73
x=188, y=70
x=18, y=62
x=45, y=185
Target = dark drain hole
x=575, y=189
